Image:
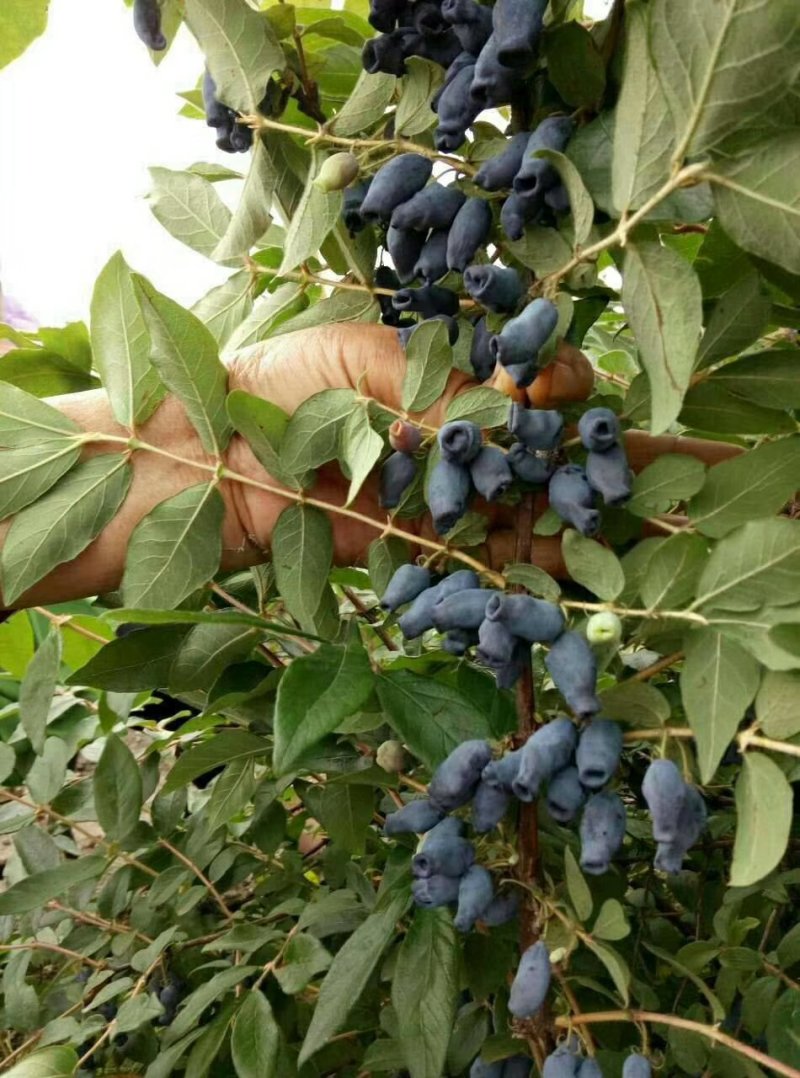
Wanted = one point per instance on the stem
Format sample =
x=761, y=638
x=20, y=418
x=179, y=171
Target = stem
x=99, y=922
x=711, y=1032
x=369, y=617
x=744, y=740
x=305, y=278
x=40, y=945
x=220, y=901
x=657, y=667
x=632, y=612
x=64, y=621
x=399, y=145
x=243, y=608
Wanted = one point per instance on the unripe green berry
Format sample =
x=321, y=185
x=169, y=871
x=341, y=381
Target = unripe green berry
x=604, y=628
x=390, y=756
x=338, y=171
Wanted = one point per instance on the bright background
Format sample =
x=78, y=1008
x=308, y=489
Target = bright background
x=83, y=113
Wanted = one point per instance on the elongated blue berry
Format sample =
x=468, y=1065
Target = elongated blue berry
x=404, y=437
x=557, y=198
x=471, y=22
x=468, y=233
x=433, y=891
x=493, y=85
x=352, y=200
x=598, y=752
x=432, y=261
x=521, y=338
x=449, y=827
x=517, y=1067
x=383, y=14
x=637, y=1066
x=495, y=287
x=480, y=356
x=458, y=641
x=455, y=110
x=563, y=1063
x=531, y=983
x=455, y=779
x=536, y=428
x=408, y=581
x=590, y=1068
x=602, y=831
x=507, y=676
x=217, y=114
x=419, y=616
x=502, y=909
x=665, y=792
x=414, y=817
x=459, y=441
x=572, y=498
x=489, y=804
x=405, y=247
x=443, y=856
x=463, y=610
x=397, y=475
x=536, y=175
x=573, y=668
x=599, y=429
x=404, y=332
x=527, y=466
x=475, y=892
x=514, y=215
x=565, y=795
x=691, y=821
x=479, y=1069
x=534, y=620
x=502, y=772
x=395, y=182
x=491, y=474
x=517, y=25
x=449, y=489
x=609, y=474
x=464, y=59
x=499, y=171
x=546, y=752
x=429, y=300
x=147, y=23
x=495, y=644
x=432, y=207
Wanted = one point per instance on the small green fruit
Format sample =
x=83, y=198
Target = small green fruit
x=604, y=628
x=390, y=756
x=338, y=171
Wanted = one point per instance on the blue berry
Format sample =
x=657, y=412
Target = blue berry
x=463, y=610
x=495, y=644
x=491, y=474
x=457, y=641
x=514, y=215
x=522, y=337
x=489, y=804
x=443, y=855
x=609, y=474
x=565, y=795
x=408, y=581
x=432, y=891
x=501, y=773
x=495, y=287
x=531, y=983
x=429, y=300
x=455, y=110
x=572, y=498
x=480, y=356
x=397, y=475
x=432, y=207
x=665, y=792
x=534, y=620
x=415, y=816
x=536, y=175
x=475, y=892
x=432, y=261
x=527, y=466
x=396, y=182
x=602, y=831
x=536, y=428
x=499, y=171
x=455, y=779
x=573, y=668
x=547, y=751
x=405, y=247
x=599, y=429
x=493, y=84
x=517, y=25
x=637, y=1066
x=468, y=233
x=502, y=909
x=459, y=441
x=147, y=23
x=449, y=489
x=471, y=22
x=598, y=752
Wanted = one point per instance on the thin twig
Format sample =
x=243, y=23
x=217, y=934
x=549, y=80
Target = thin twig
x=220, y=901
x=369, y=616
x=40, y=945
x=243, y=608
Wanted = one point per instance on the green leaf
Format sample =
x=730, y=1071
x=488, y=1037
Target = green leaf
x=769, y=378
x=429, y=360
x=190, y=209
x=63, y=522
x=717, y=1010
x=366, y=104
x=255, y=1039
x=643, y=128
x=708, y=406
x=484, y=406
x=757, y=564
x=534, y=580
x=175, y=549
x=121, y=345
x=738, y=318
x=269, y=312
x=133, y=663
x=186, y=356
x=202, y=617
x=314, y=432
x=671, y=478
x=673, y=572
x=206, y=651
x=581, y=205
x=251, y=218
x=592, y=565
x=340, y=307
x=37, y=689
x=778, y=704
x=208, y=992
x=47, y=773
x=57, y=1062
x=384, y=556
x=718, y=682
x=610, y=923
x=575, y=66
x=754, y=484
x=615, y=964
x=578, y=889
x=430, y=717
x=227, y=747
x=345, y=811
x=314, y=695
x=137, y=1010
x=233, y=791
x=764, y=819
x=117, y=789
x=756, y=196
x=43, y=373
x=28, y=472
x=662, y=300
x=302, y=553
x=425, y=990
x=34, y=892
x=636, y=703
x=414, y=113
x=311, y=222
x=745, y=65
x=263, y=425
x=21, y=22
x=304, y=957
x=782, y=1039
x=26, y=420
x=350, y=971
x=17, y=644
x=224, y=308
x=361, y=449
x=240, y=47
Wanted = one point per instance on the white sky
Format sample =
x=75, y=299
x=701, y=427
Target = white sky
x=83, y=113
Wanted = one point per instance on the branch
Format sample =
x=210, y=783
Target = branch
x=220, y=901
x=711, y=1032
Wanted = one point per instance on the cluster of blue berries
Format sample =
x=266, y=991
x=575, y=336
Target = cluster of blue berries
x=678, y=812
x=567, y=1062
